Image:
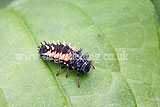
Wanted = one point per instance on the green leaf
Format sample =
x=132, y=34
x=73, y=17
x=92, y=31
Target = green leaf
x=114, y=27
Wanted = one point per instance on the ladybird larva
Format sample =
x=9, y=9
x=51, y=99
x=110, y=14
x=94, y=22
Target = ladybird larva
x=67, y=55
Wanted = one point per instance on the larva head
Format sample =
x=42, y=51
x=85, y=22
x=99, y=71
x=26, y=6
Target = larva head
x=43, y=49
x=86, y=67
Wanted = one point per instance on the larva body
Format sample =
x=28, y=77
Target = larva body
x=67, y=55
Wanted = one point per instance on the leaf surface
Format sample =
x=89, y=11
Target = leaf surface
x=98, y=27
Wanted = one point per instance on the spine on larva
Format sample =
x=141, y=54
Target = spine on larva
x=65, y=54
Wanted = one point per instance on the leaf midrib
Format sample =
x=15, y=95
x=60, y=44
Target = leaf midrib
x=30, y=36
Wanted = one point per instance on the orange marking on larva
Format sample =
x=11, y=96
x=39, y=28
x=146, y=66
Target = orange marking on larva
x=74, y=48
x=68, y=56
x=47, y=54
x=52, y=54
x=62, y=57
x=57, y=55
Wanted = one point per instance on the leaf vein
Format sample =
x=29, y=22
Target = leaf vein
x=34, y=41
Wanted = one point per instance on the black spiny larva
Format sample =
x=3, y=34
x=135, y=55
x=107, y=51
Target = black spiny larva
x=67, y=55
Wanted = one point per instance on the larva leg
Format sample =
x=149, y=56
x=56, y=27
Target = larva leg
x=93, y=66
x=60, y=70
x=67, y=71
x=78, y=79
